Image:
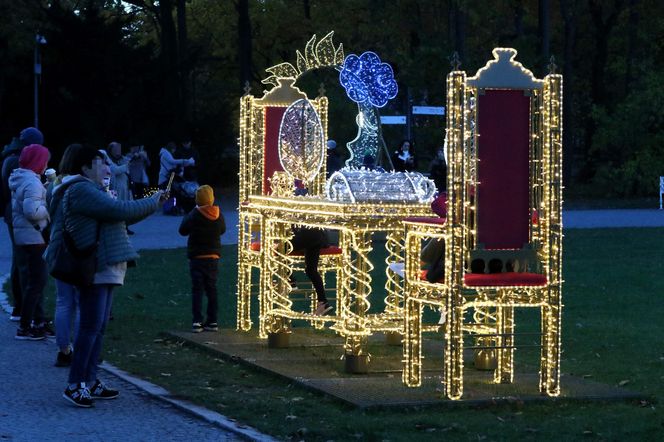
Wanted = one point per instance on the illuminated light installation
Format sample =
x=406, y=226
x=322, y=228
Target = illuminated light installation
x=370, y=83
x=268, y=209
x=493, y=297
x=260, y=124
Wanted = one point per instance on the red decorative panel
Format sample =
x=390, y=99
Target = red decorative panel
x=503, y=171
x=509, y=279
x=271, y=162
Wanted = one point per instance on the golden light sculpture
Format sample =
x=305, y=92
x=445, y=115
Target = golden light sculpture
x=356, y=223
x=260, y=122
x=530, y=276
x=268, y=210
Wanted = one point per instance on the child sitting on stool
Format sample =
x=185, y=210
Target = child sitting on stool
x=204, y=225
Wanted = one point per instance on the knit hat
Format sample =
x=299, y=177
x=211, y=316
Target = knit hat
x=204, y=196
x=34, y=157
x=31, y=135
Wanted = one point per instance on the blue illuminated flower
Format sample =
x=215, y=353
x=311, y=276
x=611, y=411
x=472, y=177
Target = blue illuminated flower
x=367, y=78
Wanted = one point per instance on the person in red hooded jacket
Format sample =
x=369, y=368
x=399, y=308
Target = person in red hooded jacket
x=30, y=220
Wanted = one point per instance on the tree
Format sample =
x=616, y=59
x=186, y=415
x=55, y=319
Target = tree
x=244, y=40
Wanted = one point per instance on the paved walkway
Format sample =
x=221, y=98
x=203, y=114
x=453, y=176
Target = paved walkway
x=30, y=404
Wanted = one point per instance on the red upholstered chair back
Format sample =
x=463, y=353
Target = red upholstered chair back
x=503, y=193
x=271, y=163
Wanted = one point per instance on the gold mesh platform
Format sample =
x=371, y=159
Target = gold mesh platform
x=312, y=360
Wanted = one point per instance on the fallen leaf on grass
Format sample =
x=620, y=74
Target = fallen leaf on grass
x=623, y=382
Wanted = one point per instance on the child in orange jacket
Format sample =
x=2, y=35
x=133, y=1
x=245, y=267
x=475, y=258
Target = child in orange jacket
x=204, y=225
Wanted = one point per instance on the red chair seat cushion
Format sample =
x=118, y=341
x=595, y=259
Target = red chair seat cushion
x=508, y=279
x=331, y=250
x=426, y=220
x=504, y=279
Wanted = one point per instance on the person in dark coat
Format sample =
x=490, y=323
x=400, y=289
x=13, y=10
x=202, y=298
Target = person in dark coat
x=403, y=158
x=334, y=160
x=204, y=225
x=438, y=170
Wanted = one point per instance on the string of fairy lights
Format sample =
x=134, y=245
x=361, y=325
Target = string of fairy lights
x=493, y=307
x=358, y=202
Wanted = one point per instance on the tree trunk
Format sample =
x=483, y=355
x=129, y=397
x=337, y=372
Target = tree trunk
x=459, y=29
x=544, y=33
x=307, y=9
x=184, y=63
x=632, y=44
x=602, y=30
x=244, y=46
x=519, y=12
x=169, y=58
x=567, y=12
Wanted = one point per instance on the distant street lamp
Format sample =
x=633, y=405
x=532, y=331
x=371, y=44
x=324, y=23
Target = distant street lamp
x=39, y=40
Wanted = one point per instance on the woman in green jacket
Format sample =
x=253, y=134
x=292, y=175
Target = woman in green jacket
x=87, y=212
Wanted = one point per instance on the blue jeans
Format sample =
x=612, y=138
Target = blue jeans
x=95, y=307
x=66, y=311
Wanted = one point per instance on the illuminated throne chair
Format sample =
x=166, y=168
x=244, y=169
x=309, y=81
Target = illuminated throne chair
x=261, y=173
x=503, y=230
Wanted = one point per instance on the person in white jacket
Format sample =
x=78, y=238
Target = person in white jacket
x=30, y=220
x=168, y=164
x=119, y=165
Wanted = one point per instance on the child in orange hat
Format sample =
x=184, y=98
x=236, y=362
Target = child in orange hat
x=204, y=225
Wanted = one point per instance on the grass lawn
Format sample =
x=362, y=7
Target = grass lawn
x=613, y=333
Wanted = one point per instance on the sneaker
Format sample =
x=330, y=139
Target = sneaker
x=211, y=326
x=196, y=327
x=47, y=328
x=29, y=334
x=322, y=308
x=15, y=316
x=79, y=396
x=101, y=391
x=63, y=359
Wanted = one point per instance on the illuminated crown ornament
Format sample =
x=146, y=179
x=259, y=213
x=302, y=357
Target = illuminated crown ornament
x=301, y=141
x=321, y=54
x=505, y=72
